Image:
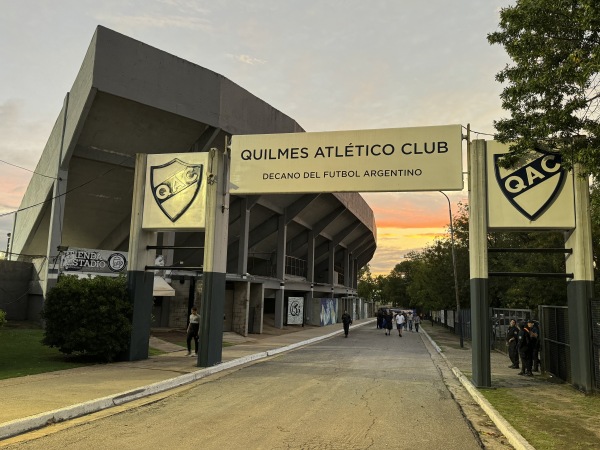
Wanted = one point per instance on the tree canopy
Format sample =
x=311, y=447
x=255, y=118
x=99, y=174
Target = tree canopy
x=424, y=280
x=552, y=88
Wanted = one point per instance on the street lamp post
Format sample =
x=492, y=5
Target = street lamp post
x=454, y=269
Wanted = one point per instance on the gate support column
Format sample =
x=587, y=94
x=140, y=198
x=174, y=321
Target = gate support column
x=478, y=262
x=580, y=290
x=140, y=282
x=215, y=260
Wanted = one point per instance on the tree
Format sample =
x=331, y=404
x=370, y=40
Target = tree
x=88, y=316
x=553, y=87
x=366, y=286
x=432, y=281
x=395, y=285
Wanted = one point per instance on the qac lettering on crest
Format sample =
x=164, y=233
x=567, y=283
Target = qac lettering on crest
x=534, y=186
x=175, y=185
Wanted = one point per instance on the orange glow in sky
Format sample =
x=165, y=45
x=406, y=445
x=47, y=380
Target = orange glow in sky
x=408, y=221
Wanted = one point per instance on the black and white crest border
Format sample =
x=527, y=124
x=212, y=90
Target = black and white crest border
x=553, y=196
x=152, y=187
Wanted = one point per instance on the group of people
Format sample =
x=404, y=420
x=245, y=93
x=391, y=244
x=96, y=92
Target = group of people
x=524, y=344
x=386, y=319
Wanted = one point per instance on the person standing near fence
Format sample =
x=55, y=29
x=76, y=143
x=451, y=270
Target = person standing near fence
x=534, y=333
x=512, y=339
x=192, y=332
x=525, y=350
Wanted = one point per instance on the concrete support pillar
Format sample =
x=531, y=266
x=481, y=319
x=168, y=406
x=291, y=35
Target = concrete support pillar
x=347, y=280
x=281, y=251
x=351, y=276
x=257, y=307
x=140, y=281
x=331, y=266
x=168, y=239
x=310, y=258
x=241, y=307
x=478, y=262
x=244, y=234
x=57, y=212
x=580, y=290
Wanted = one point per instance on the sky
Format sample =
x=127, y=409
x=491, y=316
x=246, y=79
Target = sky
x=329, y=64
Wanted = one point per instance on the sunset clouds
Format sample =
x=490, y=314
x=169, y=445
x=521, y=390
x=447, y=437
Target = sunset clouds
x=331, y=66
x=408, y=221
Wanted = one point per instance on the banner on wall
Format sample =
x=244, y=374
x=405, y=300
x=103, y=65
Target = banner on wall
x=295, y=310
x=91, y=261
x=328, y=314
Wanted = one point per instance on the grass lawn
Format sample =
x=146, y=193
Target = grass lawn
x=22, y=352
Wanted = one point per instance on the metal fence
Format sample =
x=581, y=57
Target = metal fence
x=501, y=321
x=556, y=352
x=595, y=304
x=554, y=329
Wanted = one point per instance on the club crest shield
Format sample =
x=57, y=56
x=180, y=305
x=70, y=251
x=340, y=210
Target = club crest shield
x=534, y=186
x=174, y=186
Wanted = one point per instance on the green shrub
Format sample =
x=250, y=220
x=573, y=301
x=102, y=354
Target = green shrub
x=88, y=316
x=2, y=318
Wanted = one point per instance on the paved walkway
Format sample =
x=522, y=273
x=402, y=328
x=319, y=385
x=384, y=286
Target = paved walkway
x=32, y=402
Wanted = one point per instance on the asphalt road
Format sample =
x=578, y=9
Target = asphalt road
x=367, y=391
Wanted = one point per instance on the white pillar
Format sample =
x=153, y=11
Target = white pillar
x=478, y=263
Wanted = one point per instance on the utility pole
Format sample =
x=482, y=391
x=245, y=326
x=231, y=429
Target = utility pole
x=454, y=269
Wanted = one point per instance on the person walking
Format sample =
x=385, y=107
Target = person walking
x=400, y=320
x=410, y=317
x=525, y=350
x=192, y=332
x=379, y=319
x=346, y=321
x=389, y=322
x=417, y=321
x=512, y=339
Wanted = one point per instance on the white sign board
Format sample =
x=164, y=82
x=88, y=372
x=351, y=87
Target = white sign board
x=386, y=160
x=537, y=194
x=175, y=192
x=295, y=310
x=90, y=261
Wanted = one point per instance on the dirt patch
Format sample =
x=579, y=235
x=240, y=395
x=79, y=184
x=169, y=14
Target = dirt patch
x=172, y=336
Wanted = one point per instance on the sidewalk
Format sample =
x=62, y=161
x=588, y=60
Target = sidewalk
x=32, y=402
